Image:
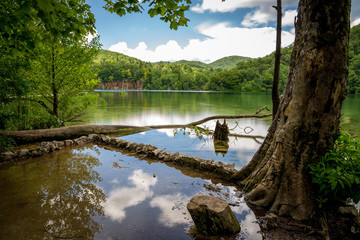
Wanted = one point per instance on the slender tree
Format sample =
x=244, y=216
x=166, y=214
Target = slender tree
x=275, y=87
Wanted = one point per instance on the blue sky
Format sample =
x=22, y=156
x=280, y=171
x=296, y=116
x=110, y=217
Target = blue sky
x=216, y=29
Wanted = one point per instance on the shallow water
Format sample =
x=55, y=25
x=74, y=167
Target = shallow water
x=97, y=193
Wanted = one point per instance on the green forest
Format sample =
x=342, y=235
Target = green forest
x=48, y=74
x=227, y=74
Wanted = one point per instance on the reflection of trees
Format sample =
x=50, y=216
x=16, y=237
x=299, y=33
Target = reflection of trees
x=61, y=195
x=221, y=147
x=70, y=198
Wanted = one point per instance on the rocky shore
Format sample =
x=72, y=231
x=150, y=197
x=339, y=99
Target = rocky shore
x=217, y=169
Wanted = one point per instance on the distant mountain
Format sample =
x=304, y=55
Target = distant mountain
x=228, y=62
x=197, y=64
x=108, y=56
x=223, y=63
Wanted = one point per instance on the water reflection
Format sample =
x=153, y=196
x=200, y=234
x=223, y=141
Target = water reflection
x=57, y=194
x=77, y=193
x=221, y=147
x=124, y=197
x=240, y=149
x=173, y=209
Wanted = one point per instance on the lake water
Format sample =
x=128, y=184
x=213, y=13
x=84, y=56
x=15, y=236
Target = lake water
x=97, y=193
x=93, y=192
x=142, y=108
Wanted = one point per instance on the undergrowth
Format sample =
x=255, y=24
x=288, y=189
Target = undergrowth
x=337, y=175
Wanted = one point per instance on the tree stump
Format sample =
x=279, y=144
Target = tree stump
x=213, y=216
x=221, y=132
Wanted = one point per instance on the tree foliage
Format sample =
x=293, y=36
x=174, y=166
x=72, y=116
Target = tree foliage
x=19, y=20
x=38, y=42
x=61, y=75
x=170, y=11
x=337, y=174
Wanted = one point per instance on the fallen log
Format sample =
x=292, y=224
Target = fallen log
x=29, y=136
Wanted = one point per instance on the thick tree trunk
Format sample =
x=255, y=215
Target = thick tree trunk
x=308, y=118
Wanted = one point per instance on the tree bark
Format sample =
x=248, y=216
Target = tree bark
x=275, y=87
x=307, y=122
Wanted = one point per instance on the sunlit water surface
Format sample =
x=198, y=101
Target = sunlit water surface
x=98, y=193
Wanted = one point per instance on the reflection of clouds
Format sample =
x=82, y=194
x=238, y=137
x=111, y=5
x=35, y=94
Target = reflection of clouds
x=115, y=181
x=248, y=225
x=121, y=198
x=168, y=132
x=146, y=118
x=173, y=209
x=244, y=148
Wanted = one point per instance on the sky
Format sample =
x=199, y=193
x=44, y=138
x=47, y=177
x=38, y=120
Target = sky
x=216, y=29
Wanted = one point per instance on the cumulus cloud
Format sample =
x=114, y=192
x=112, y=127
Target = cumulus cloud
x=221, y=41
x=288, y=18
x=262, y=10
x=355, y=22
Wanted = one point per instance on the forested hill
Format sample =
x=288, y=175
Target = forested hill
x=223, y=63
x=232, y=73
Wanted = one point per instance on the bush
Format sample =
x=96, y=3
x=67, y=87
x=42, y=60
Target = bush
x=6, y=143
x=337, y=175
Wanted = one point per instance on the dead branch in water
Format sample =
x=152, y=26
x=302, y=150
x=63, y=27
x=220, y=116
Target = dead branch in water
x=28, y=136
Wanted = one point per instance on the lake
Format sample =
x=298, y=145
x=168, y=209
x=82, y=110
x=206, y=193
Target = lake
x=95, y=192
x=142, y=108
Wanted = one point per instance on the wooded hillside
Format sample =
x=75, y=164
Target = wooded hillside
x=232, y=73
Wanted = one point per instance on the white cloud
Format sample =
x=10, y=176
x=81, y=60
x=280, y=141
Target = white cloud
x=289, y=17
x=91, y=36
x=355, y=22
x=219, y=6
x=222, y=40
x=262, y=10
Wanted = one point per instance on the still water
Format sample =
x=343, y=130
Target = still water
x=142, y=108
x=98, y=193
x=94, y=192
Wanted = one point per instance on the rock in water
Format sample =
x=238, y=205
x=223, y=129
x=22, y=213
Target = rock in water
x=213, y=216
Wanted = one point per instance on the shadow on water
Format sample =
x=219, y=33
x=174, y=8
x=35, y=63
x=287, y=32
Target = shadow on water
x=97, y=193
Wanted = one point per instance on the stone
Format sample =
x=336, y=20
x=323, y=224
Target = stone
x=58, y=144
x=93, y=137
x=157, y=152
x=81, y=140
x=5, y=156
x=46, y=147
x=349, y=210
x=121, y=143
x=68, y=143
x=131, y=146
x=23, y=153
x=213, y=216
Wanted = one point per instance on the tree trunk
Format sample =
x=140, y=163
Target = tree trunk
x=55, y=102
x=275, y=87
x=308, y=118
